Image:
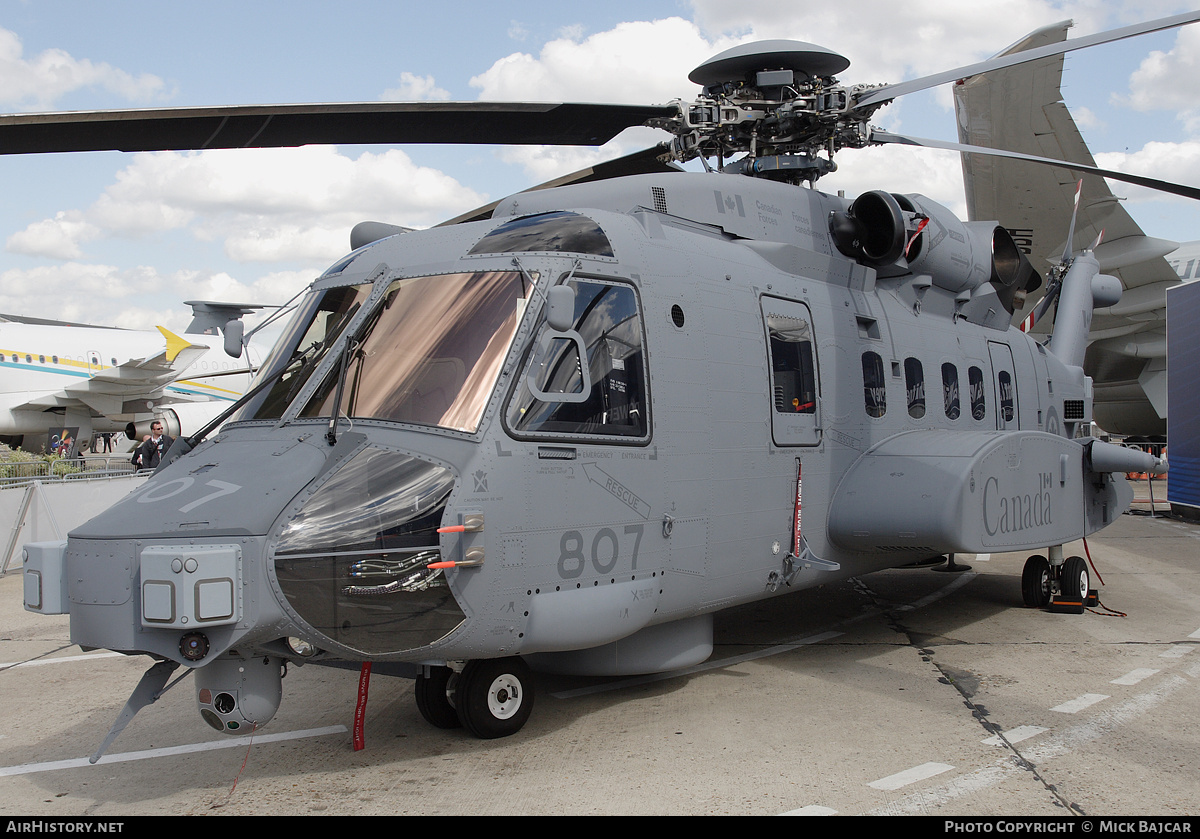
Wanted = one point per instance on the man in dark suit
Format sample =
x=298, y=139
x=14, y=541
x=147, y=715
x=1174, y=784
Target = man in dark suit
x=152, y=450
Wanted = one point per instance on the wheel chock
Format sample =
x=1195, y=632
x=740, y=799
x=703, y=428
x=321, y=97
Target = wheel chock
x=1071, y=606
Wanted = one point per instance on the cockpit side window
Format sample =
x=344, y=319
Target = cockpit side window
x=611, y=399
x=314, y=328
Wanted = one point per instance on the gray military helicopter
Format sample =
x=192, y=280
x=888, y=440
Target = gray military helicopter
x=560, y=433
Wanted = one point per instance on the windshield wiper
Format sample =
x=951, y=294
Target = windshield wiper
x=352, y=345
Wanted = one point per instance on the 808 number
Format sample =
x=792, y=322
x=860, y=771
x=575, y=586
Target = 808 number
x=605, y=550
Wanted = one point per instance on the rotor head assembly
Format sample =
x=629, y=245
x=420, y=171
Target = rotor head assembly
x=778, y=103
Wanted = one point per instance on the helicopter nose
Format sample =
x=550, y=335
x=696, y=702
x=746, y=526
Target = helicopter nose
x=353, y=555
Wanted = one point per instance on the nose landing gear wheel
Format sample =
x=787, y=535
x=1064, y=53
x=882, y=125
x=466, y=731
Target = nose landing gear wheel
x=432, y=693
x=1035, y=582
x=494, y=697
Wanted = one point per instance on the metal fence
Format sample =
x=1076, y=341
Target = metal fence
x=19, y=473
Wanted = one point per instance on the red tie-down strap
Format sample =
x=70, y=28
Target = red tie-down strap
x=360, y=710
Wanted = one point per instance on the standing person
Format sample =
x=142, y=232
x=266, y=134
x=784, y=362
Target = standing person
x=136, y=460
x=150, y=453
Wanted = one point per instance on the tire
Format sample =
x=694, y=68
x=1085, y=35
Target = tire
x=495, y=697
x=1035, y=582
x=433, y=700
x=1075, y=581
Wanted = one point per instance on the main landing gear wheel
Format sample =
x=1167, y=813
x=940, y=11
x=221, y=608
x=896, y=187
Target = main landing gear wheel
x=1035, y=582
x=433, y=698
x=1075, y=582
x=494, y=696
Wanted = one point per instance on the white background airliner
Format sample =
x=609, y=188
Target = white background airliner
x=97, y=379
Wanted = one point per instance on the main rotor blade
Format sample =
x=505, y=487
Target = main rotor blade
x=882, y=94
x=882, y=137
x=272, y=126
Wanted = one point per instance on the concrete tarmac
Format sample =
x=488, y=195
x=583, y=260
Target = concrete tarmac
x=902, y=692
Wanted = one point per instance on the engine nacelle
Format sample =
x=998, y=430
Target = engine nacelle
x=881, y=230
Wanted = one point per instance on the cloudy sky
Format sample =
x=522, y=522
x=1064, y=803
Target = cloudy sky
x=118, y=239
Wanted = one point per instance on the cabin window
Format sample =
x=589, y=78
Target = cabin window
x=611, y=399
x=548, y=232
x=950, y=391
x=978, y=401
x=874, y=384
x=1005, y=383
x=914, y=386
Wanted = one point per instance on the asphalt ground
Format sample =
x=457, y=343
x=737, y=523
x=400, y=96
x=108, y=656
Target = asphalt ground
x=902, y=692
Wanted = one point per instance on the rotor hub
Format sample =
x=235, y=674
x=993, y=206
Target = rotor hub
x=778, y=103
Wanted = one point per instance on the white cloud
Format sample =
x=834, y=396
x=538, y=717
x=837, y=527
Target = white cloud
x=517, y=31
x=75, y=291
x=1169, y=80
x=56, y=238
x=1177, y=162
x=264, y=241
x=902, y=169
x=135, y=298
x=888, y=42
x=1086, y=118
x=38, y=81
x=415, y=88
x=639, y=61
x=544, y=163
x=634, y=62
x=265, y=205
